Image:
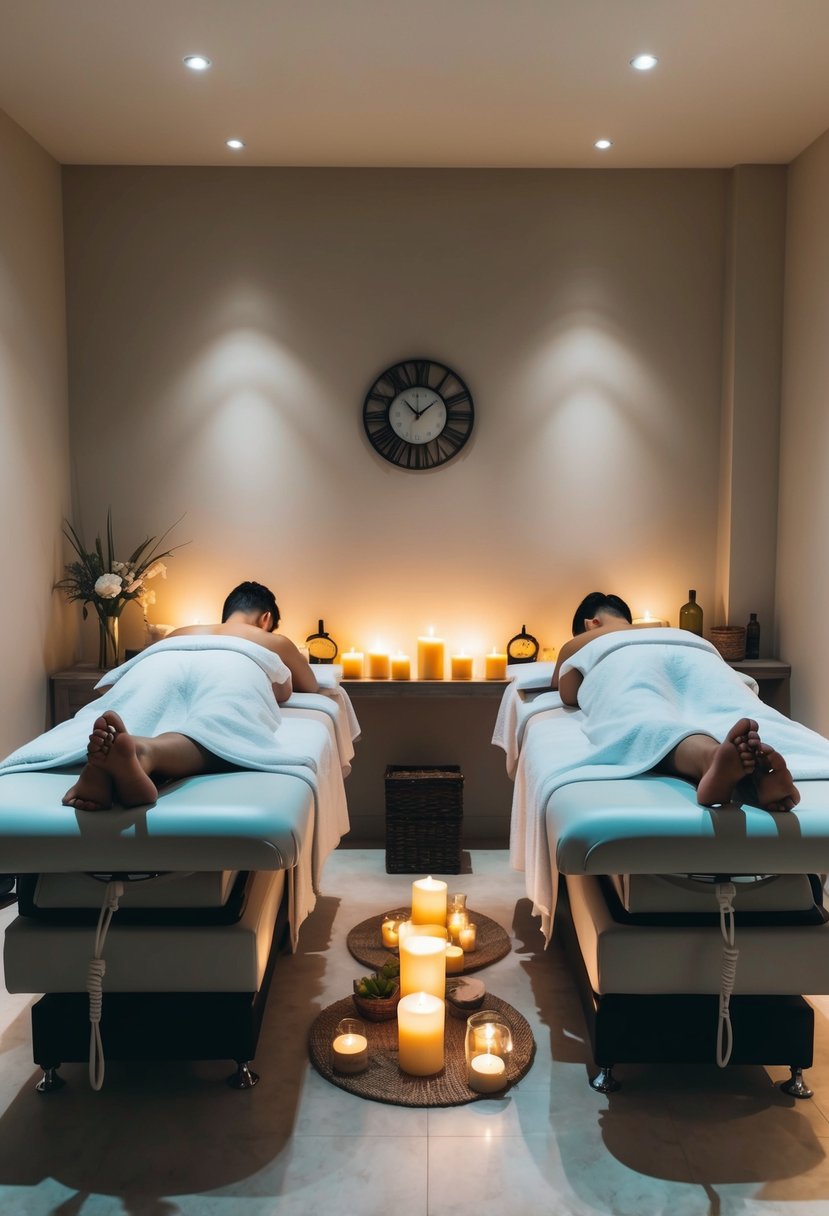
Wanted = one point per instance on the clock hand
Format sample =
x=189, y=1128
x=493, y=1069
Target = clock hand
x=412, y=408
x=427, y=407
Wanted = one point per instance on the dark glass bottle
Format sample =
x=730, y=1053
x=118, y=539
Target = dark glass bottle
x=690, y=615
x=753, y=637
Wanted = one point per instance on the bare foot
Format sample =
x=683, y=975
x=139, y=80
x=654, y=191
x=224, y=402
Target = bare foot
x=91, y=792
x=117, y=753
x=773, y=783
x=734, y=759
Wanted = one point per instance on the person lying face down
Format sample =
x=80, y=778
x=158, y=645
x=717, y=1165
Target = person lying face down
x=739, y=767
x=130, y=768
x=251, y=612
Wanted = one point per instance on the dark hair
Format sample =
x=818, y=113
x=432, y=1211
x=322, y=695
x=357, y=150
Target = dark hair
x=597, y=602
x=251, y=597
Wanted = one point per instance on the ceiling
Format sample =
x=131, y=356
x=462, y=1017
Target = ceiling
x=469, y=83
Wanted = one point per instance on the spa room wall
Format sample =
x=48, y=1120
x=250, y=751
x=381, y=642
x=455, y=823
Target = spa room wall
x=802, y=568
x=224, y=326
x=34, y=448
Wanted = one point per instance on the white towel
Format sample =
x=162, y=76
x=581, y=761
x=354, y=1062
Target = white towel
x=633, y=712
x=216, y=690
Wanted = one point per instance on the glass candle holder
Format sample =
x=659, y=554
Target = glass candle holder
x=487, y=1045
x=455, y=922
x=349, y=1050
x=456, y=902
x=468, y=938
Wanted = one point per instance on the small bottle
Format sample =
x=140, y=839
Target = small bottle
x=690, y=615
x=753, y=637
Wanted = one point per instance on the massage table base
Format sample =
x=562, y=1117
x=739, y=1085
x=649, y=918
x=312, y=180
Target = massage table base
x=659, y=1028
x=157, y=1025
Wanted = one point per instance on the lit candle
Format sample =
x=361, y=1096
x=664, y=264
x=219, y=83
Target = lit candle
x=461, y=666
x=378, y=665
x=648, y=621
x=429, y=901
x=454, y=960
x=487, y=1074
x=456, y=921
x=430, y=658
x=412, y=930
x=467, y=938
x=496, y=666
x=349, y=1051
x=420, y=1029
x=401, y=667
x=390, y=931
x=423, y=965
x=352, y=664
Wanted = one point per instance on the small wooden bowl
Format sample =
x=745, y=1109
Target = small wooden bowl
x=377, y=1009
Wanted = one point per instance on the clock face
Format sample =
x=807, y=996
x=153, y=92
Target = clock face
x=418, y=414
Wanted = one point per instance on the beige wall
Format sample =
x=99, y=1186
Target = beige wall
x=34, y=450
x=802, y=566
x=224, y=328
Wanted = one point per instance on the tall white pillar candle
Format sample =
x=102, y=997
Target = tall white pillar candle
x=420, y=1029
x=423, y=965
x=429, y=901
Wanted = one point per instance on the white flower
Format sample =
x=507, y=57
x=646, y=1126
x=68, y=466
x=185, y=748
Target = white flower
x=108, y=586
x=146, y=599
x=156, y=568
x=120, y=567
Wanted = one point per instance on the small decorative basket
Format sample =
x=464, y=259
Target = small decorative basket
x=377, y=1009
x=730, y=640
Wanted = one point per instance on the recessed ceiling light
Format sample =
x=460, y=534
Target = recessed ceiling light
x=644, y=63
x=196, y=63
x=603, y=144
x=235, y=144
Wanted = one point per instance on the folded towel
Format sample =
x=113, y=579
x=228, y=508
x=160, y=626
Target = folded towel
x=531, y=675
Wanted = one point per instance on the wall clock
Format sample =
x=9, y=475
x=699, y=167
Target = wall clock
x=418, y=414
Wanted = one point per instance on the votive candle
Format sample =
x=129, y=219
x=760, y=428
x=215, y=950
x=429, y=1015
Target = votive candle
x=349, y=1052
x=429, y=901
x=468, y=938
x=390, y=932
x=420, y=1031
x=455, y=921
x=487, y=1074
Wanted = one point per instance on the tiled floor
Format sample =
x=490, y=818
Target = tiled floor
x=161, y=1141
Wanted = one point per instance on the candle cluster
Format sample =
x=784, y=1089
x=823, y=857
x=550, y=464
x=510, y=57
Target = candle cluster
x=431, y=944
x=379, y=664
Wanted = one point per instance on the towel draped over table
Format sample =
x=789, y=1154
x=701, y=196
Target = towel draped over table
x=643, y=692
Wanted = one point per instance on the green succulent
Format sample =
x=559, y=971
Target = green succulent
x=377, y=987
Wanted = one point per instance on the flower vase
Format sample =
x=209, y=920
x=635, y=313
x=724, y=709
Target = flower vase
x=107, y=642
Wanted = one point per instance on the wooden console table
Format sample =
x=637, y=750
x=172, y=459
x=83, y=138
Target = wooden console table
x=773, y=677
x=71, y=689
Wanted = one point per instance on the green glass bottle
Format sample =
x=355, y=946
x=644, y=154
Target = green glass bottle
x=753, y=637
x=690, y=615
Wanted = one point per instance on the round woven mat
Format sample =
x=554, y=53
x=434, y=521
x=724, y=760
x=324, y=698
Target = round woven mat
x=365, y=942
x=383, y=1081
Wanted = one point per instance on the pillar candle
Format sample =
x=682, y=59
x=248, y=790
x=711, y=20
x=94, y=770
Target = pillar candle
x=461, y=666
x=496, y=666
x=430, y=658
x=401, y=667
x=352, y=664
x=378, y=665
x=454, y=960
x=423, y=965
x=420, y=1029
x=429, y=901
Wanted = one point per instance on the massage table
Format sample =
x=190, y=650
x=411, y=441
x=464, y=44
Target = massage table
x=213, y=879
x=691, y=931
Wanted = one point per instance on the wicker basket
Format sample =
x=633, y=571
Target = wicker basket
x=424, y=818
x=730, y=640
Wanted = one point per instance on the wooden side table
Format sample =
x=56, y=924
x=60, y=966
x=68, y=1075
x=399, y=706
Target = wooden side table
x=71, y=689
x=773, y=676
